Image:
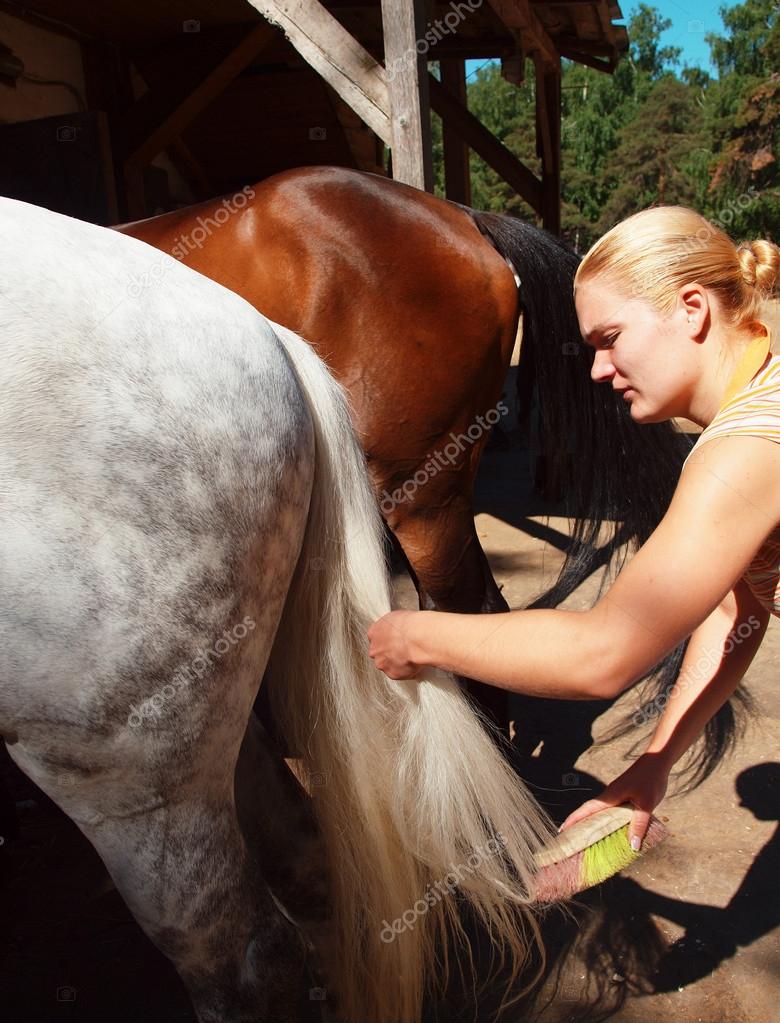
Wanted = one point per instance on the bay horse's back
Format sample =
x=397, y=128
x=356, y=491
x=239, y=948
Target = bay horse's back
x=415, y=313
x=374, y=274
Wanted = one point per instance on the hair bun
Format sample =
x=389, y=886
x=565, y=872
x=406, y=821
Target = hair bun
x=760, y=265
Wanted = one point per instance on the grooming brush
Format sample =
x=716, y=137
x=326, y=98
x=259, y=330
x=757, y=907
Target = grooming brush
x=589, y=852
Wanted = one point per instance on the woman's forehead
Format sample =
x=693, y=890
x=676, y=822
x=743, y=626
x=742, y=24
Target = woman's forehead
x=600, y=305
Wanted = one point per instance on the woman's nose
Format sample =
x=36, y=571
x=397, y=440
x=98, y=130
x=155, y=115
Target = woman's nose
x=602, y=368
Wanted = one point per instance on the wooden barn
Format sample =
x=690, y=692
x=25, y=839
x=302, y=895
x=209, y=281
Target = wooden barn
x=119, y=110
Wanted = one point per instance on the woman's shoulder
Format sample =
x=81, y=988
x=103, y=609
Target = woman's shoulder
x=752, y=412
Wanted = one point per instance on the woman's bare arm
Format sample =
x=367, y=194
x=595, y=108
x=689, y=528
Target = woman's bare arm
x=725, y=506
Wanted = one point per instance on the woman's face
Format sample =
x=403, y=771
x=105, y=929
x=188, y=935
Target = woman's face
x=647, y=357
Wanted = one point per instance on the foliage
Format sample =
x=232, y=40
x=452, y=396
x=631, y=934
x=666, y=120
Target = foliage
x=651, y=133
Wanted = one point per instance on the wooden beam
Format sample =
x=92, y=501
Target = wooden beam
x=457, y=177
x=548, y=108
x=544, y=141
x=606, y=23
x=190, y=169
x=592, y=47
x=486, y=145
x=335, y=55
x=607, y=66
x=358, y=137
x=188, y=108
x=519, y=16
x=406, y=74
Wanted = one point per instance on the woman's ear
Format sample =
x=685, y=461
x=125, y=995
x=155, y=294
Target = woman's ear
x=695, y=308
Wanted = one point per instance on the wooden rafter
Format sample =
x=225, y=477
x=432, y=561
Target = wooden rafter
x=335, y=55
x=607, y=66
x=486, y=145
x=173, y=114
x=591, y=47
x=519, y=16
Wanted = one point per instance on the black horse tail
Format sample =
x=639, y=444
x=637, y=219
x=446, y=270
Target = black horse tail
x=606, y=468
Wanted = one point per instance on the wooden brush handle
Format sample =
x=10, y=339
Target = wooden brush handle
x=583, y=834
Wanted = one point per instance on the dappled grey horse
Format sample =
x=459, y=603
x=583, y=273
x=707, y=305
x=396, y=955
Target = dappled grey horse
x=183, y=505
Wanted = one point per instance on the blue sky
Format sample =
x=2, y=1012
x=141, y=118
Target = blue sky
x=691, y=21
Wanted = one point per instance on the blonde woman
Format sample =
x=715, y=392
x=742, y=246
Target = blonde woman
x=671, y=309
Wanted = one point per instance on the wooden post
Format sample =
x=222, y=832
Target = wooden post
x=548, y=120
x=457, y=177
x=406, y=72
x=486, y=145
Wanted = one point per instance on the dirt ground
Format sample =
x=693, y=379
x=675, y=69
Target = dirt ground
x=689, y=932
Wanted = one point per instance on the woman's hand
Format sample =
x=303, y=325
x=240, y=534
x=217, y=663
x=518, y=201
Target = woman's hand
x=390, y=644
x=643, y=785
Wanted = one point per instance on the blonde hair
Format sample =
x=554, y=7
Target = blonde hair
x=652, y=254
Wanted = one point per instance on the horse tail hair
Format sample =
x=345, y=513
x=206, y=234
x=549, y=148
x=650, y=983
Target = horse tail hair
x=606, y=468
x=425, y=824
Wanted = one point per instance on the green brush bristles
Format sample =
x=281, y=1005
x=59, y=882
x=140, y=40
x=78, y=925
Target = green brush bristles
x=606, y=857
x=589, y=852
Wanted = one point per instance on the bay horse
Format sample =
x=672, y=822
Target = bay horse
x=185, y=506
x=413, y=303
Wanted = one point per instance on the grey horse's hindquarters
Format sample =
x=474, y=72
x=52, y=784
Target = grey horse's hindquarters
x=156, y=462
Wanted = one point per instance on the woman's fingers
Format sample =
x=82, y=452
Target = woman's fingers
x=590, y=807
x=637, y=829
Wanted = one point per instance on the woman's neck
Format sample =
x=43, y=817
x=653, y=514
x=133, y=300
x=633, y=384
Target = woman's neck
x=722, y=355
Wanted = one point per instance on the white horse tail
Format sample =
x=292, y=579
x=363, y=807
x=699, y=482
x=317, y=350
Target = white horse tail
x=414, y=800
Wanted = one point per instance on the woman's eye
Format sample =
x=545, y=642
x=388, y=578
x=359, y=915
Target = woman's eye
x=609, y=342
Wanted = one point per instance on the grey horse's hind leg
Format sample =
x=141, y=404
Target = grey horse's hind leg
x=279, y=825
x=278, y=822
x=186, y=875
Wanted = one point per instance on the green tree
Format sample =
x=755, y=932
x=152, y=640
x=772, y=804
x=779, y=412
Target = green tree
x=644, y=32
x=742, y=113
x=743, y=50
x=655, y=156
x=509, y=112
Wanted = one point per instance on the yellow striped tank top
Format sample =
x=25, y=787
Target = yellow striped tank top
x=752, y=409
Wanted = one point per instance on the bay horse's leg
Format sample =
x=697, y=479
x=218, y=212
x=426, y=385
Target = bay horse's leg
x=451, y=573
